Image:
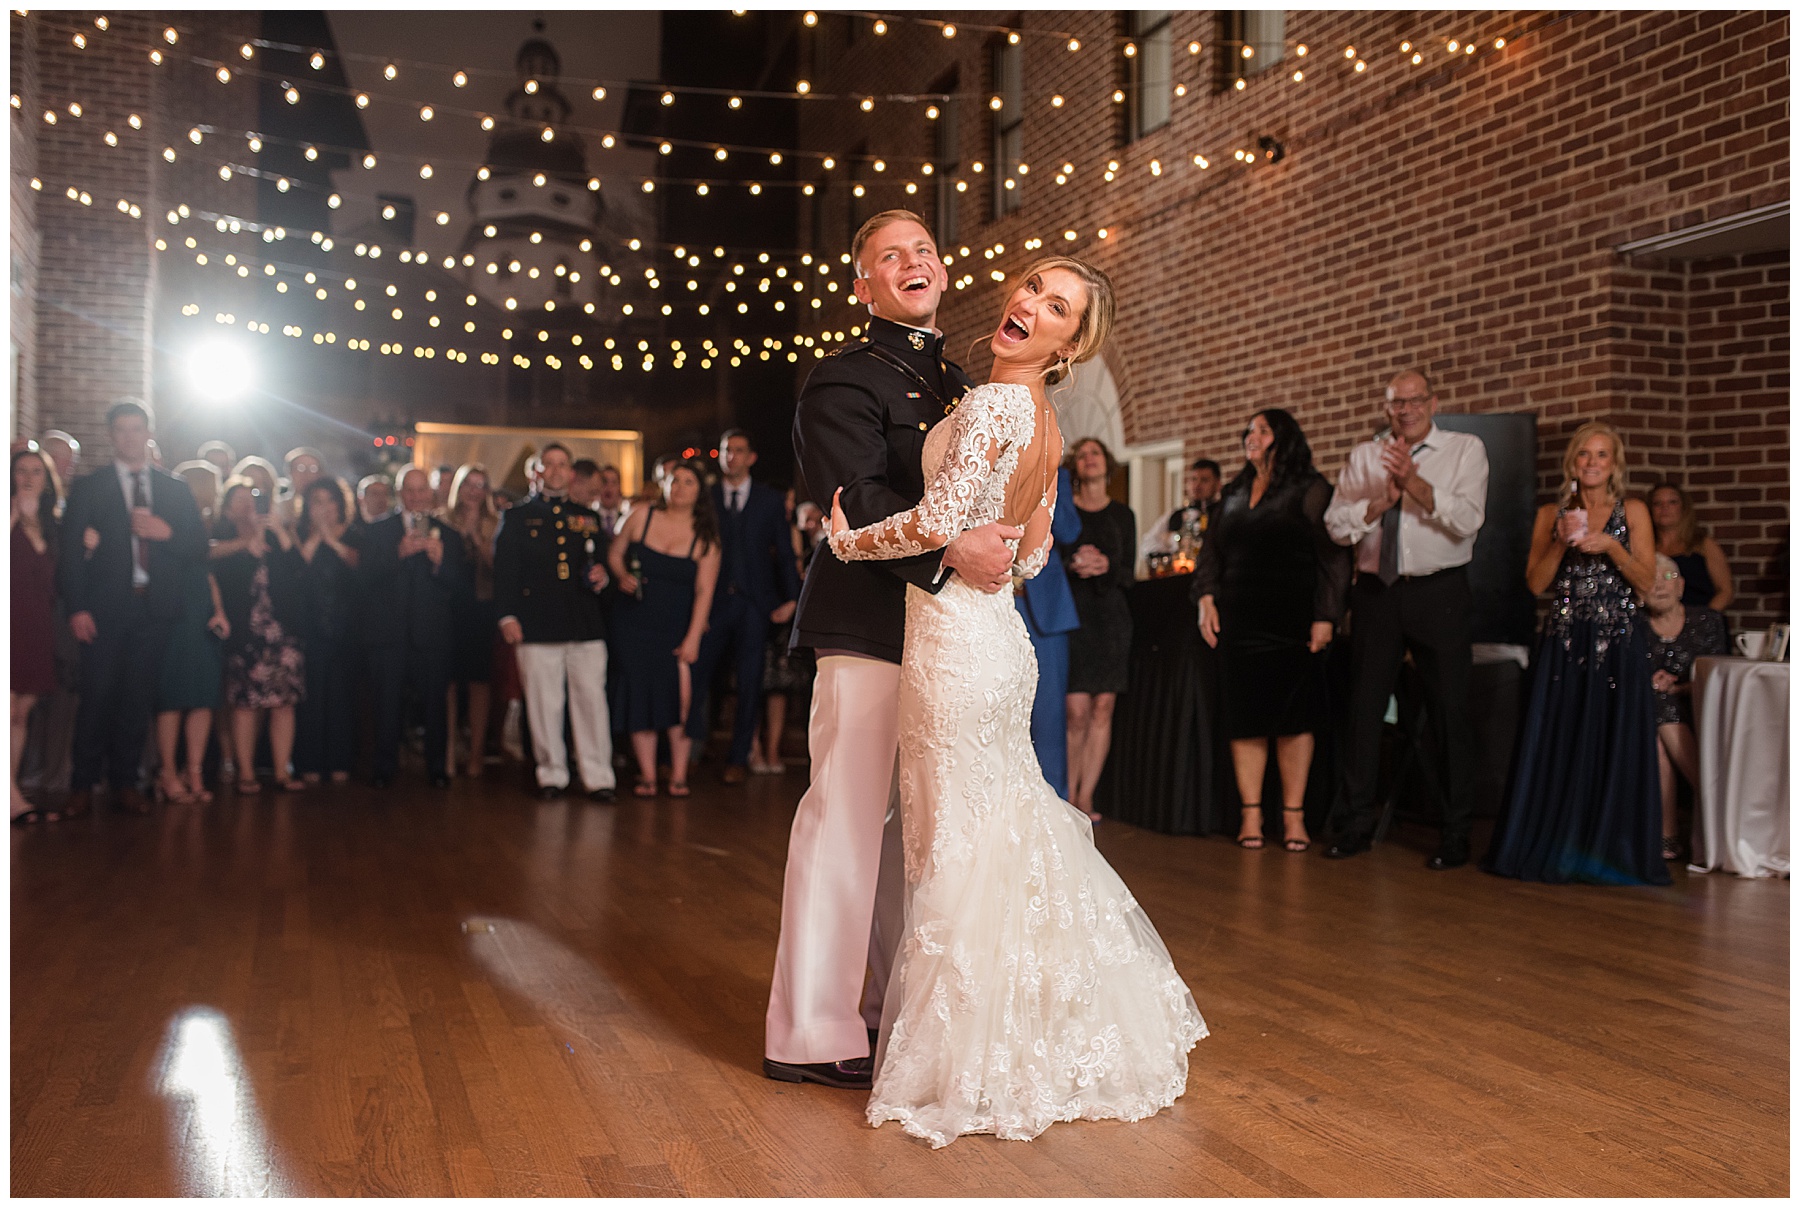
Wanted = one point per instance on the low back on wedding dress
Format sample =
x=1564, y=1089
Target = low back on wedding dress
x=1030, y=987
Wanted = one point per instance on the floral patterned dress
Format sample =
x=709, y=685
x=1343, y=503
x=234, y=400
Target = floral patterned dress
x=267, y=668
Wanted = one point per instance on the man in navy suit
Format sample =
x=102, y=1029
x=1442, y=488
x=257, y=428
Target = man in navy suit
x=128, y=537
x=1048, y=608
x=757, y=587
x=412, y=568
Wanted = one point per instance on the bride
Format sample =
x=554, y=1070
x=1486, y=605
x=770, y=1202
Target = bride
x=1030, y=987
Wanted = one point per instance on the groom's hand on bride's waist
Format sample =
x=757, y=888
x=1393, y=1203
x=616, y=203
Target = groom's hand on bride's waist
x=982, y=557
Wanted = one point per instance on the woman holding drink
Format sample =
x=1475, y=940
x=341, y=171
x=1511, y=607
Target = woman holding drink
x=1585, y=803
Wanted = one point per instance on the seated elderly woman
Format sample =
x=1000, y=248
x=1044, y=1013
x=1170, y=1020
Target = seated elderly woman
x=1679, y=634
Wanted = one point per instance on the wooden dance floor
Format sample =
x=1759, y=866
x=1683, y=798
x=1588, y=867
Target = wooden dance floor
x=472, y=993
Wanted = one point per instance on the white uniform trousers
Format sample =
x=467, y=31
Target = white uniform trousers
x=545, y=668
x=832, y=929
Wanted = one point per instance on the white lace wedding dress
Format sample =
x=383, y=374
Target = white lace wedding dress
x=1029, y=987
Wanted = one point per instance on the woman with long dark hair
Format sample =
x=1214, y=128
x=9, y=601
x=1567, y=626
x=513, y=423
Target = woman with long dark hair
x=36, y=494
x=325, y=722
x=1271, y=585
x=1704, y=572
x=665, y=564
x=1099, y=566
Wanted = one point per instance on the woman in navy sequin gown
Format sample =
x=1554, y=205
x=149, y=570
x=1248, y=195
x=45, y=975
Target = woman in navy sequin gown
x=1585, y=803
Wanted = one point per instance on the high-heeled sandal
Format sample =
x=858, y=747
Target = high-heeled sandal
x=644, y=788
x=249, y=788
x=291, y=784
x=1295, y=845
x=1250, y=842
x=197, y=788
x=1671, y=847
x=678, y=788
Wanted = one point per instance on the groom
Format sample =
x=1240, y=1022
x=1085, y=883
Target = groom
x=861, y=425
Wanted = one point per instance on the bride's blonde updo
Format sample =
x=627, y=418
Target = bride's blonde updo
x=1096, y=317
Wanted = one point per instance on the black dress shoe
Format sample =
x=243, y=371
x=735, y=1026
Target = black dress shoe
x=854, y=1074
x=548, y=792
x=1345, y=847
x=1448, y=855
x=440, y=781
x=603, y=796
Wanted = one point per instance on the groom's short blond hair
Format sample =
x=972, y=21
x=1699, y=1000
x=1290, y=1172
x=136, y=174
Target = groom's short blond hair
x=872, y=227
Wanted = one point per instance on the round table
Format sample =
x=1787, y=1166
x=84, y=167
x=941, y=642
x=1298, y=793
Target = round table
x=1741, y=802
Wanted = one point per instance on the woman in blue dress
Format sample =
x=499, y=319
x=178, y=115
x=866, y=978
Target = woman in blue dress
x=665, y=561
x=1585, y=804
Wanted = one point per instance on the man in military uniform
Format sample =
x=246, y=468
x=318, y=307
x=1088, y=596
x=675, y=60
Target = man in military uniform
x=861, y=426
x=549, y=568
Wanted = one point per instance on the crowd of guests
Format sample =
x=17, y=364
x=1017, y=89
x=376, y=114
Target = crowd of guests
x=274, y=619
x=1291, y=563
x=231, y=624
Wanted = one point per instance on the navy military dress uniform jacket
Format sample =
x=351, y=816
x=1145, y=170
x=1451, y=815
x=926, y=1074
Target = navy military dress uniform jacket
x=861, y=425
x=541, y=559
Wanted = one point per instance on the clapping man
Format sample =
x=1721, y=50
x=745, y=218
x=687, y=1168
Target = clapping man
x=1411, y=501
x=128, y=537
x=412, y=568
x=758, y=585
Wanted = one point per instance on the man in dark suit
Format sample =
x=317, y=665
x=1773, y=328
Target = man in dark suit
x=123, y=588
x=861, y=426
x=412, y=568
x=548, y=576
x=758, y=585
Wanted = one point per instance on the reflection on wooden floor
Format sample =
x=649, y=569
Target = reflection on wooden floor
x=471, y=993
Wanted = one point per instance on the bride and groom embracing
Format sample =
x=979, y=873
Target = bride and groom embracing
x=1014, y=981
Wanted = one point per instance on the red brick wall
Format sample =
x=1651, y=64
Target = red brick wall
x=22, y=384
x=1735, y=464
x=94, y=298
x=1460, y=215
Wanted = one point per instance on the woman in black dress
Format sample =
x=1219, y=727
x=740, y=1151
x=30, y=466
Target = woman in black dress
x=1679, y=634
x=1271, y=585
x=665, y=561
x=193, y=665
x=257, y=570
x=1100, y=569
x=35, y=494
x=325, y=741
x=1698, y=557
x=1584, y=805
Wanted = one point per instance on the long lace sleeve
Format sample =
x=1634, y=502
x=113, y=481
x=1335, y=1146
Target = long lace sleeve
x=979, y=437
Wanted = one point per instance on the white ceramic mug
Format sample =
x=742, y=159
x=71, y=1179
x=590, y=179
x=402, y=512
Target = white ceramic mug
x=1750, y=645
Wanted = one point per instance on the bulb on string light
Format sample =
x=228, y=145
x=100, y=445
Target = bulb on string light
x=736, y=102
x=868, y=104
x=1193, y=48
x=362, y=100
x=1405, y=48
x=803, y=87
x=531, y=87
x=810, y=19
x=600, y=94
x=80, y=41
x=1361, y=66
x=949, y=31
x=649, y=186
x=1249, y=52
x=293, y=96
x=170, y=36
x=1118, y=96
x=1074, y=45
x=1499, y=43
x=487, y=123
x=1454, y=46
x=426, y=113
x=1298, y=76
x=1056, y=102
x=424, y=171
x=881, y=27
x=317, y=62
x=255, y=143
x=1418, y=58
x=1300, y=50
x=1349, y=52
x=548, y=135
x=1012, y=39
x=312, y=153
x=169, y=154
x=1131, y=50
x=1239, y=85
x=135, y=122
x=223, y=74
x=247, y=50
x=390, y=71
x=593, y=183
x=368, y=161
x=1469, y=48
x=931, y=112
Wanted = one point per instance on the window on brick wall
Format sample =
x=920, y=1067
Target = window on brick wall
x=1007, y=69
x=946, y=159
x=1149, y=69
x=1263, y=32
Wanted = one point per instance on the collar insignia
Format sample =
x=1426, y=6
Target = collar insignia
x=917, y=340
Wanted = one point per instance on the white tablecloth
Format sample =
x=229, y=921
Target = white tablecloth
x=1741, y=802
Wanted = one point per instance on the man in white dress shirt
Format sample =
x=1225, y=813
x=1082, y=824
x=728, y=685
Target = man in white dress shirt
x=1411, y=501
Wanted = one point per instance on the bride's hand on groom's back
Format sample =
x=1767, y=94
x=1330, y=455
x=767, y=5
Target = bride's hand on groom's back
x=982, y=557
